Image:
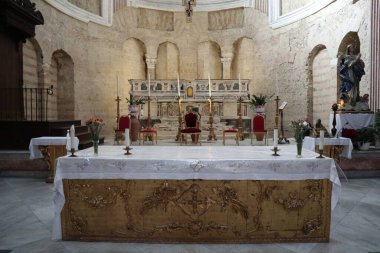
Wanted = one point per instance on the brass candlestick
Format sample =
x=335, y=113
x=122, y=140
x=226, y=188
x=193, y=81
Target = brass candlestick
x=117, y=135
x=127, y=148
x=149, y=120
x=211, y=133
x=240, y=121
x=320, y=154
x=178, y=136
x=72, y=151
x=275, y=150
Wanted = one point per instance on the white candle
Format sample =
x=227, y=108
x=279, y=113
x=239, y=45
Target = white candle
x=127, y=139
x=148, y=84
x=321, y=139
x=72, y=137
x=209, y=85
x=117, y=86
x=275, y=137
x=179, y=90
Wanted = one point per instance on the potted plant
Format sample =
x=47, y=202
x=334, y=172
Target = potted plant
x=258, y=102
x=365, y=136
x=377, y=129
x=134, y=111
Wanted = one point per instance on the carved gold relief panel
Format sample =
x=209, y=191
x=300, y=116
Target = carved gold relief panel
x=196, y=210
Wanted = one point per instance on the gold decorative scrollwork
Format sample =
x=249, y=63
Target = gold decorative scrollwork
x=161, y=196
x=311, y=225
x=96, y=200
x=228, y=197
x=292, y=202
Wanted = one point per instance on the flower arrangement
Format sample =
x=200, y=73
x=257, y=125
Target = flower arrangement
x=95, y=124
x=258, y=100
x=133, y=101
x=301, y=127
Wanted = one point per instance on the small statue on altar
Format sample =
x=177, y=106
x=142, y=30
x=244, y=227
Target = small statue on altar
x=318, y=127
x=350, y=70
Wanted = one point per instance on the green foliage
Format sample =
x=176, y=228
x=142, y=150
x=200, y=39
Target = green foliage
x=377, y=123
x=365, y=134
x=259, y=100
x=133, y=101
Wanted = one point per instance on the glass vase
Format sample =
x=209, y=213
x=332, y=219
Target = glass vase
x=299, y=148
x=96, y=146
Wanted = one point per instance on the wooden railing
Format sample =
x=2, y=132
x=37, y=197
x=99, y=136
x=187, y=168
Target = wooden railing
x=30, y=104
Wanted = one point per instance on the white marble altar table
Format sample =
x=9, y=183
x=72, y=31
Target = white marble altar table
x=181, y=163
x=49, y=141
x=310, y=143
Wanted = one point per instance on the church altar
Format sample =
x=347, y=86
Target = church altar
x=311, y=143
x=351, y=121
x=194, y=194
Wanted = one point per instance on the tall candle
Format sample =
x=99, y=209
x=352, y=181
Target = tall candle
x=117, y=86
x=148, y=84
x=321, y=139
x=209, y=85
x=275, y=137
x=179, y=90
x=72, y=137
x=127, y=139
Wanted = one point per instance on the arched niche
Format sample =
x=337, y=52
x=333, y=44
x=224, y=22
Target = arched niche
x=243, y=58
x=33, y=72
x=167, y=66
x=209, y=63
x=321, y=85
x=134, y=59
x=62, y=77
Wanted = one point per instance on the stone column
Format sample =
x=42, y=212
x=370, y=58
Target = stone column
x=375, y=56
x=151, y=64
x=226, y=61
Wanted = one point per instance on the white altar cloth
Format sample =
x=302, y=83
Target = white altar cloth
x=310, y=142
x=48, y=140
x=181, y=163
x=351, y=121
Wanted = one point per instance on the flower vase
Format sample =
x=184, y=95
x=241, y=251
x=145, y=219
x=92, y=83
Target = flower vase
x=96, y=146
x=299, y=148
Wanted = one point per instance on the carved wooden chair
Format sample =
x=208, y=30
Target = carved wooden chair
x=192, y=128
x=124, y=123
x=258, y=128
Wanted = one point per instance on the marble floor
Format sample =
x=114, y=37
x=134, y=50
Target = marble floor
x=26, y=215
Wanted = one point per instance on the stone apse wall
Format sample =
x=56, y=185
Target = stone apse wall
x=297, y=61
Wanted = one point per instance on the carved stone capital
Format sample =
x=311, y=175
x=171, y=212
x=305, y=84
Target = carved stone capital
x=151, y=63
x=226, y=60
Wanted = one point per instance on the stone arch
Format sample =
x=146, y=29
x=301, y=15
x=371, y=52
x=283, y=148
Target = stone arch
x=62, y=78
x=33, y=64
x=134, y=55
x=243, y=58
x=321, y=85
x=209, y=62
x=167, y=66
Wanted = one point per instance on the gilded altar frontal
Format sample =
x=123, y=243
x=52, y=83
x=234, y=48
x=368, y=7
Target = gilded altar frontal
x=207, y=211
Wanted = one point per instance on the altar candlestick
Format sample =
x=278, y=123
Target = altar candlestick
x=127, y=139
x=117, y=86
x=209, y=85
x=275, y=137
x=72, y=137
x=321, y=139
x=239, y=86
x=179, y=90
x=148, y=84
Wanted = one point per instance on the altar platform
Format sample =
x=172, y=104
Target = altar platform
x=195, y=194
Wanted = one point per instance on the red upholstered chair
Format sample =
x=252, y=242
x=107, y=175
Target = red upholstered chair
x=148, y=134
x=124, y=123
x=233, y=132
x=258, y=128
x=191, y=128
